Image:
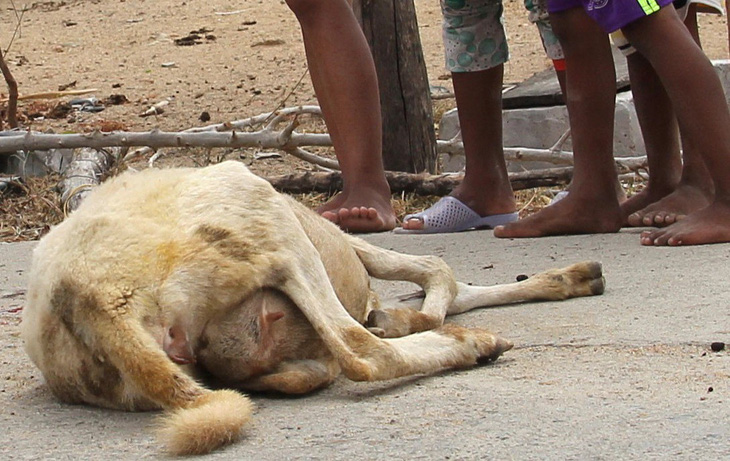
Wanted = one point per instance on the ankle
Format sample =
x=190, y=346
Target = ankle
x=486, y=203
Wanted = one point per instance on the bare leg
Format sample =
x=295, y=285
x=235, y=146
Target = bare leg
x=343, y=74
x=486, y=188
x=560, y=74
x=670, y=195
x=661, y=136
x=591, y=206
x=703, y=116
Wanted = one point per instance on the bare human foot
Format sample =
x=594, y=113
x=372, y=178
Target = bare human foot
x=567, y=217
x=638, y=202
x=708, y=225
x=684, y=200
x=366, y=211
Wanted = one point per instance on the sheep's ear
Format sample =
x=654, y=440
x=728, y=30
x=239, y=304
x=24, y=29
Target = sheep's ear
x=268, y=315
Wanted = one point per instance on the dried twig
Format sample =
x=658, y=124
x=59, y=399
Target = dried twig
x=421, y=184
x=51, y=94
x=12, y=93
x=239, y=125
x=18, y=24
x=555, y=154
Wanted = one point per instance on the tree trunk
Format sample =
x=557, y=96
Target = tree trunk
x=391, y=29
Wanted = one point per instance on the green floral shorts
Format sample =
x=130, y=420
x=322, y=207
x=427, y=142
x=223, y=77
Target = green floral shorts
x=474, y=36
x=539, y=16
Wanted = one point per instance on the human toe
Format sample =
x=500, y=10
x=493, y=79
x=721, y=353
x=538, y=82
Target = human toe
x=635, y=219
x=413, y=223
x=331, y=216
x=371, y=213
x=660, y=218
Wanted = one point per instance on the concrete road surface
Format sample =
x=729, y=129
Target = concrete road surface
x=625, y=375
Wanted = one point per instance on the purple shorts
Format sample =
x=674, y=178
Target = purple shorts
x=611, y=15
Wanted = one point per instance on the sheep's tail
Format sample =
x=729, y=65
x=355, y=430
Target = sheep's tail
x=197, y=420
x=213, y=420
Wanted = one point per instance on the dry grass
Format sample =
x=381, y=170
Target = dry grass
x=29, y=208
x=528, y=201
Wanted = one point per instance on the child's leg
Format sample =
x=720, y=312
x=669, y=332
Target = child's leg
x=698, y=99
x=486, y=188
x=669, y=196
x=591, y=206
x=661, y=137
x=343, y=74
x=476, y=49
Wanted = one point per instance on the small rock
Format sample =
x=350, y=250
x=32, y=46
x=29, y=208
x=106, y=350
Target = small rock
x=204, y=116
x=522, y=277
x=265, y=155
x=115, y=100
x=66, y=86
x=717, y=346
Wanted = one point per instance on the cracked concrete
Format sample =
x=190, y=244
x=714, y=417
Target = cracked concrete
x=626, y=375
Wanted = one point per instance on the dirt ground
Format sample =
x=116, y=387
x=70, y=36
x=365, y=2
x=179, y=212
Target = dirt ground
x=251, y=59
x=247, y=59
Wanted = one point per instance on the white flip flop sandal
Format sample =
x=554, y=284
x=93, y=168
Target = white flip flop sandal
x=451, y=215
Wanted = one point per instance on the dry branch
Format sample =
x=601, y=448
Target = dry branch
x=554, y=155
x=157, y=139
x=421, y=184
x=271, y=119
x=12, y=93
x=267, y=135
x=51, y=94
x=290, y=142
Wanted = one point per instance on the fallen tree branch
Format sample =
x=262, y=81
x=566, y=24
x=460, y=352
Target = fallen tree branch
x=157, y=139
x=51, y=94
x=264, y=139
x=240, y=125
x=314, y=159
x=267, y=135
x=421, y=184
x=556, y=157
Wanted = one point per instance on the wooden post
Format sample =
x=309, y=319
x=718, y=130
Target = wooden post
x=391, y=29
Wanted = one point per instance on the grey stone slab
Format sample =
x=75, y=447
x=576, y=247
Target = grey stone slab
x=540, y=127
x=543, y=89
